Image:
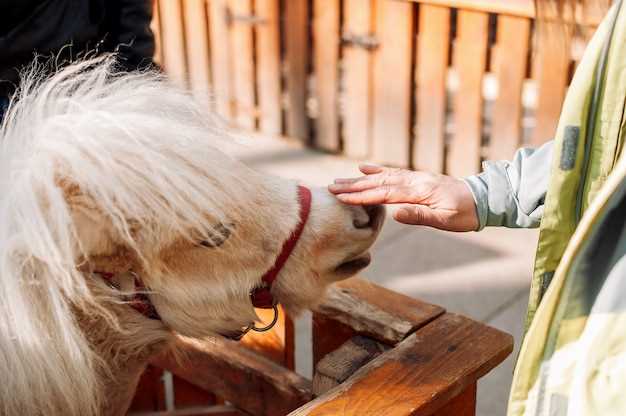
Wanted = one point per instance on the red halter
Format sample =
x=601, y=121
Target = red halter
x=261, y=297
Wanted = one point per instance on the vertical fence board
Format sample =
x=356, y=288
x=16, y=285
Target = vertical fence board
x=392, y=83
x=510, y=70
x=268, y=66
x=220, y=57
x=551, y=71
x=325, y=66
x=432, y=66
x=357, y=81
x=155, y=26
x=173, y=38
x=470, y=53
x=296, y=57
x=197, y=40
x=243, y=63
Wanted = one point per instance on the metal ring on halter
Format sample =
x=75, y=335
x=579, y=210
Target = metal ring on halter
x=253, y=326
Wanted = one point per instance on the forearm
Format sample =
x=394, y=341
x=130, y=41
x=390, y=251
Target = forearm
x=512, y=194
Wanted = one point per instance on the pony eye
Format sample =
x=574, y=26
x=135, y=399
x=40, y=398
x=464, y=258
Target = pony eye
x=208, y=244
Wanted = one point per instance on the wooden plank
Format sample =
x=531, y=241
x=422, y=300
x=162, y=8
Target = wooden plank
x=552, y=60
x=591, y=13
x=470, y=54
x=340, y=364
x=188, y=395
x=155, y=26
x=392, y=83
x=326, y=70
x=247, y=380
x=220, y=58
x=432, y=70
x=197, y=39
x=357, y=65
x=173, y=40
x=462, y=405
x=297, y=62
x=276, y=344
x=328, y=335
x=422, y=374
x=243, y=63
x=375, y=311
x=511, y=53
x=268, y=66
x=150, y=394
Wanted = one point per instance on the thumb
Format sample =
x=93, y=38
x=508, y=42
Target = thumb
x=418, y=215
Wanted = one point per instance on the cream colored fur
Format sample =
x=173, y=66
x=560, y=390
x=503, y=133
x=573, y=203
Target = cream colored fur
x=109, y=172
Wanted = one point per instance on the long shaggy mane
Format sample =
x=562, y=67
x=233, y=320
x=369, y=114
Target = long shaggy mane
x=146, y=153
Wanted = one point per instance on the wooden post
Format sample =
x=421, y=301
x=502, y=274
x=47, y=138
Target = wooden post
x=268, y=66
x=326, y=70
x=392, y=83
x=432, y=69
x=470, y=54
x=243, y=63
x=197, y=39
x=511, y=55
x=297, y=61
x=173, y=38
x=220, y=58
x=357, y=62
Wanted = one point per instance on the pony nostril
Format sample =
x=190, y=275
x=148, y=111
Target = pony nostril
x=371, y=219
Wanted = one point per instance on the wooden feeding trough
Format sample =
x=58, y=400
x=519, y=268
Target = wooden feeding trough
x=375, y=352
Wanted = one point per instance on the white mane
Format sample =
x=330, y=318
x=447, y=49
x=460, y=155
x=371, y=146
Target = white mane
x=143, y=151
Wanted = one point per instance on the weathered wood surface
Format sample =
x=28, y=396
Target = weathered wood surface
x=357, y=97
x=197, y=48
x=173, y=41
x=325, y=66
x=297, y=61
x=267, y=54
x=242, y=63
x=432, y=69
x=391, y=108
x=375, y=311
x=422, y=374
x=510, y=57
x=328, y=335
x=220, y=57
x=470, y=55
x=340, y=364
x=464, y=404
x=247, y=380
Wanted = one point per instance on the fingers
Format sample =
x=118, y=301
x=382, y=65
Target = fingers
x=370, y=168
x=418, y=215
x=386, y=194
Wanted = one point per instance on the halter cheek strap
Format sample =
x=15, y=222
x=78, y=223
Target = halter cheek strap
x=261, y=297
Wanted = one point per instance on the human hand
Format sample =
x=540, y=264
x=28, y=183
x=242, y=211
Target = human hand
x=434, y=200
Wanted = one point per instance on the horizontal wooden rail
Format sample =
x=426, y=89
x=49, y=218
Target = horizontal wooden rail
x=375, y=311
x=422, y=375
x=247, y=380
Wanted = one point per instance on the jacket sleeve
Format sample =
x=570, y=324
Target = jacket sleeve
x=131, y=33
x=512, y=194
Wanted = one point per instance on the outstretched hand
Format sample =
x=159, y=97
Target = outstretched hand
x=430, y=199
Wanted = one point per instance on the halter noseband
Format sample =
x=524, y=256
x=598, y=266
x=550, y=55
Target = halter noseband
x=261, y=297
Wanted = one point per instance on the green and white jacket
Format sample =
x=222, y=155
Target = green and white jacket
x=573, y=357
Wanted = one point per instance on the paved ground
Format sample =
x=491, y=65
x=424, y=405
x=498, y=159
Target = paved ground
x=482, y=275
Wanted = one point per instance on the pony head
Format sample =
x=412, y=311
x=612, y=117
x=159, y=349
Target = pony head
x=123, y=173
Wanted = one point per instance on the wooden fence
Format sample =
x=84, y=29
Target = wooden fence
x=429, y=84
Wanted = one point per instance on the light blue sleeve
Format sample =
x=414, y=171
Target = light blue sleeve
x=512, y=194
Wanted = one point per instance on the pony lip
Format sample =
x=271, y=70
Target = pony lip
x=354, y=265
